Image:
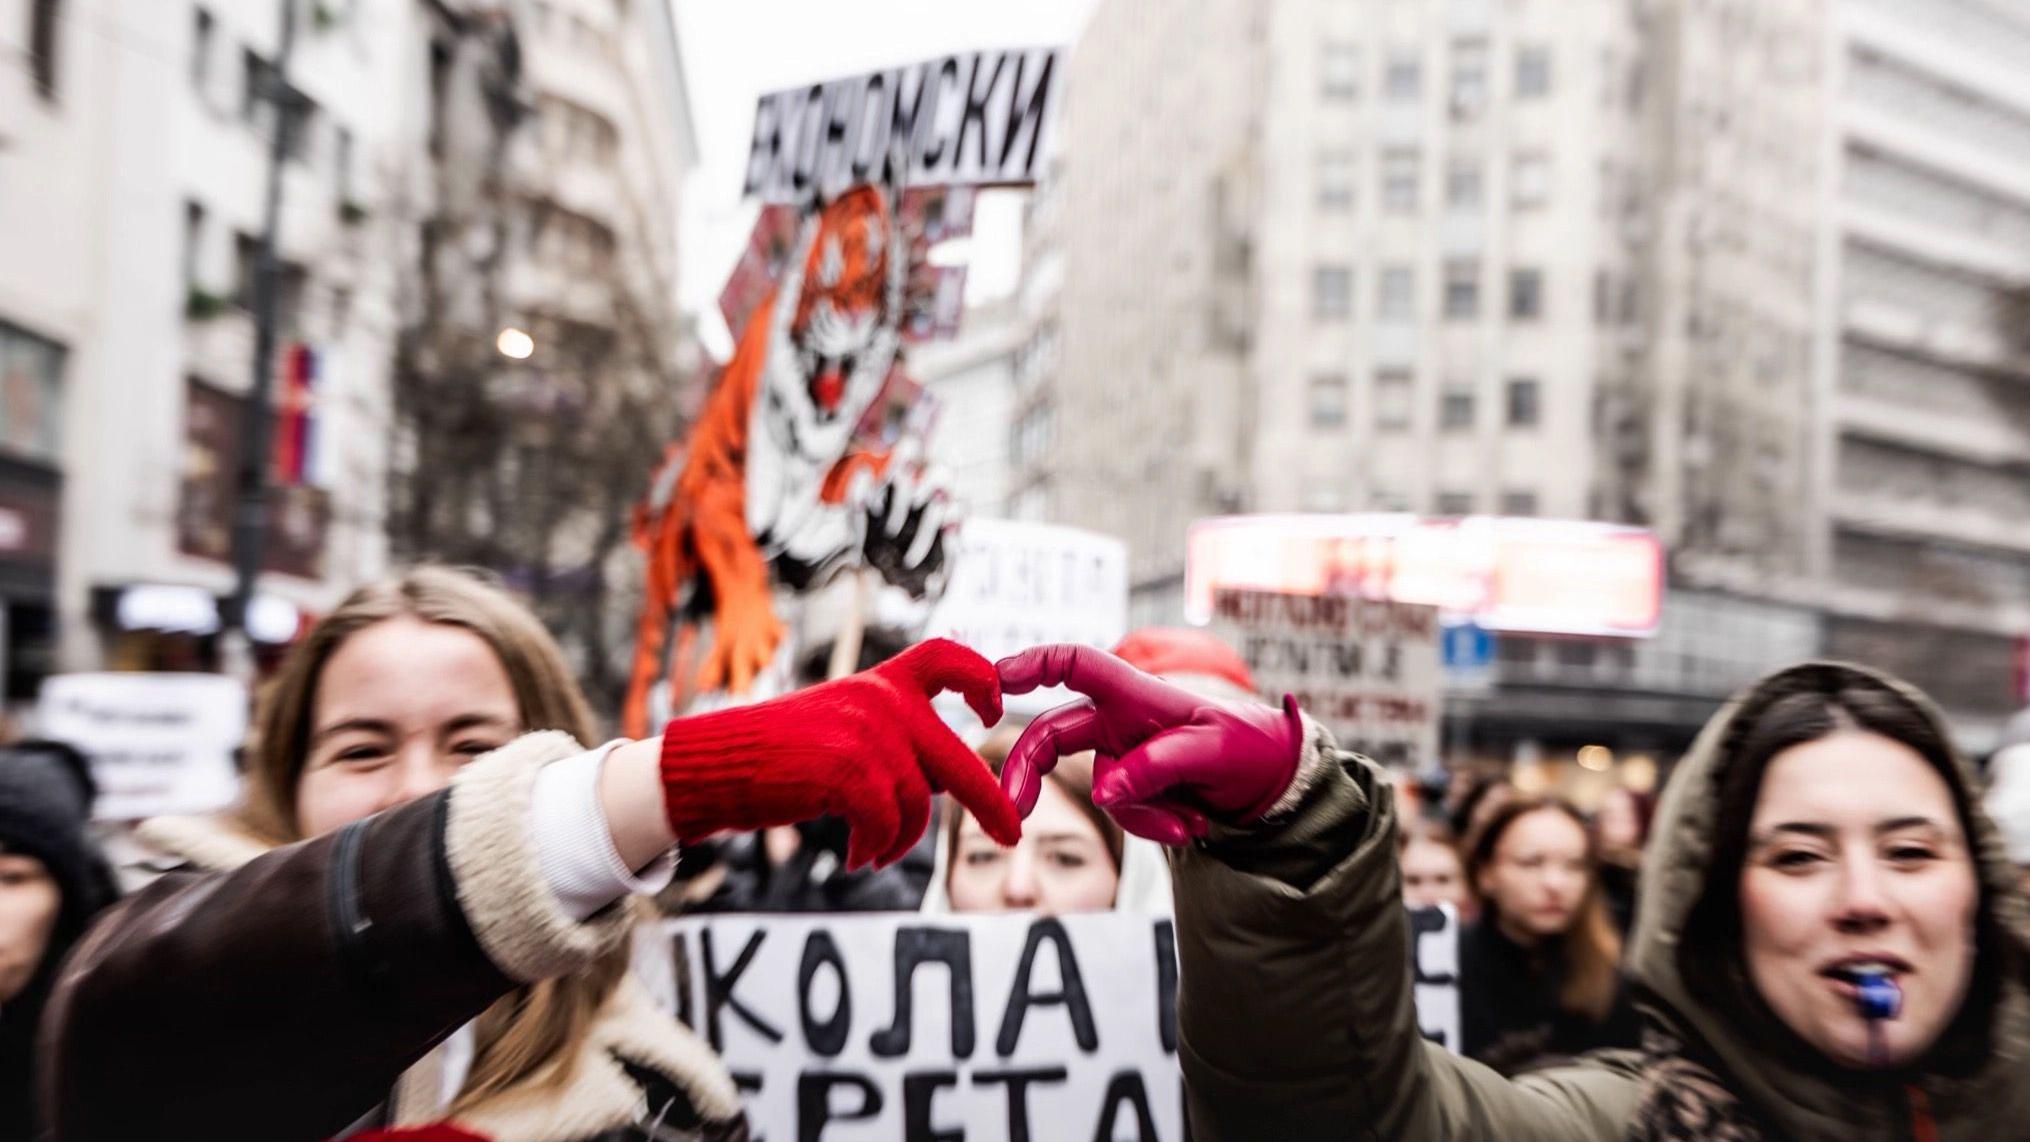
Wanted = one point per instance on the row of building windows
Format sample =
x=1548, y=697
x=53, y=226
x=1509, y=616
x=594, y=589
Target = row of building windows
x=1330, y=403
x=1342, y=74
x=1401, y=181
x=1396, y=292
x=305, y=129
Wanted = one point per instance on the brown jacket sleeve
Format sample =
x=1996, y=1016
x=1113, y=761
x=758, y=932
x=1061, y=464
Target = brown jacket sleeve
x=283, y=999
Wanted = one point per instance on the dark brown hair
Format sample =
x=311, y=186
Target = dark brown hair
x=1805, y=704
x=1589, y=953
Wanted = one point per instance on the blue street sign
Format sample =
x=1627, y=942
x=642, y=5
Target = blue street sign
x=1468, y=647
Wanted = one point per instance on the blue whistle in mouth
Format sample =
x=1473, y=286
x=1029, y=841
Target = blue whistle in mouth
x=1879, y=998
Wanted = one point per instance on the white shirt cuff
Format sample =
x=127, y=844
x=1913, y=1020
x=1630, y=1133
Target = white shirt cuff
x=574, y=847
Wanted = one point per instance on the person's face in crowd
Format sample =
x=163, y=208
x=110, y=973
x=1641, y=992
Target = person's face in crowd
x=1620, y=827
x=1061, y=864
x=1538, y=877
x=29, y=903
x=399, y=707
x=1856, y=858
x=1432, y=875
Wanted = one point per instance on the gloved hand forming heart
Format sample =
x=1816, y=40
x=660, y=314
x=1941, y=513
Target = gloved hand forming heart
x=1169, y=762
x=867, y=747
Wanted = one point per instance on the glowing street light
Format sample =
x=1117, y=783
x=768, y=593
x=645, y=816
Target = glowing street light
x=514, y=344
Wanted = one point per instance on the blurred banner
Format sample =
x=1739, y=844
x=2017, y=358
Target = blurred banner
x=1369, y=669
x=158, y=743
x=974, y=119
x=1016, y=585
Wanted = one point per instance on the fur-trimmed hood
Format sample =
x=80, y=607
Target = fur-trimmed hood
x=631, y=1066
x=1795, y=1095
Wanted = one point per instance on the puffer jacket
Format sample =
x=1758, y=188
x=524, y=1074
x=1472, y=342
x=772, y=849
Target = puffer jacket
x=1296, y=1018
x=295, y=992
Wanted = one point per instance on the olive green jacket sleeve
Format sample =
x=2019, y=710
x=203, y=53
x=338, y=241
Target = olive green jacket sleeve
x=1295, y=1009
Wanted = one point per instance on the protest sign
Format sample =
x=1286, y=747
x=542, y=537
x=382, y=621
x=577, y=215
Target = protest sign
x=1434, y=966
x=903, y=1026
x=973, y=119
x=1367, y=668
x=1016, y=585
x=158, y=743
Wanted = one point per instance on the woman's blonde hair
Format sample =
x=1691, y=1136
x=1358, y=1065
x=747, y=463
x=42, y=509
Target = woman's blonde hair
x=1073, y=774
x=527, y=1036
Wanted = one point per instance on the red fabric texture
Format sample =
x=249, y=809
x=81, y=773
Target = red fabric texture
x=867, y=747
x=1164, y=651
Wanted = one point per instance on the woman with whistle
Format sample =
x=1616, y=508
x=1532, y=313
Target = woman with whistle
x=1829, y=939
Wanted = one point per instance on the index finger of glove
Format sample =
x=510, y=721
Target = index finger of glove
x=1086, y=669
x=1068, y=729
x=941, y=664
x=961, y=772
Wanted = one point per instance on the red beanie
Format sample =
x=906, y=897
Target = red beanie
x=1165, y=651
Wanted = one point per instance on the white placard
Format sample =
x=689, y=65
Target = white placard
x=1016, y=585
x=1008, y=1026
x=158, y=743
x=1434, y=964
x=1368, y=668
x=978, y=118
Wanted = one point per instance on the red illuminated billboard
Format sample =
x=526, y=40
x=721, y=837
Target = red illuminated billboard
x=1525, y=575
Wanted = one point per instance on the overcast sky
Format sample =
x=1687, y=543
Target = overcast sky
x=735, y=50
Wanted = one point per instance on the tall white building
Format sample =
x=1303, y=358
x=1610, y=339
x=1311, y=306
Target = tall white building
x=1926, y=357
x=133, y=173
x=1737, y=270
x=155, y=128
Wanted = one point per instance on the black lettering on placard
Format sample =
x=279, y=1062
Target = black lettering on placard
x=680, y=967
x=870, y=141
x=719, y=990
x=1423, y=922
x=918, y=1091
x=814, y=1101
x=1018, y=1093
x=809, y=139
x=908, y=118
x=928, y=154
x=915, y=947
x=827, y=1038
x=1126, y=1089
x=842, y=108
x=973, y=123
x=1029, y=118
x=1071, y=995
x=766, y=149
x=1346, y=658
x=1166, y=985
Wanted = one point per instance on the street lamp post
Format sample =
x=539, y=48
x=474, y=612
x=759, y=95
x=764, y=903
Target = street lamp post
x=250, y=511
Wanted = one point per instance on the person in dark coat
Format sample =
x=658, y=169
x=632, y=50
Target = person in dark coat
x=53, y=880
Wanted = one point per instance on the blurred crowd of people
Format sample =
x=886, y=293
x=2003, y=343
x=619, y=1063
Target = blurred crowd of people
x=383, y=713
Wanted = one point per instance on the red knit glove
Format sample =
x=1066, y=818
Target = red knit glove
x=867, y=747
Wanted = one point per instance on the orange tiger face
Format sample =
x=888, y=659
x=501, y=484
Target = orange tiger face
x=843, y=302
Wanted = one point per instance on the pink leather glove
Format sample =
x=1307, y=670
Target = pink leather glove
x=1169, y=762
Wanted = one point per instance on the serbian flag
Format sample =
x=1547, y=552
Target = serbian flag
x=295, y=429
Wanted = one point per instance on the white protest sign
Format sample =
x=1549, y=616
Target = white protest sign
x=922, y=1028
x=1368, y=668
x=1434, y=966
x=158, y=743
x=978, y=118
x=1016, y=585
